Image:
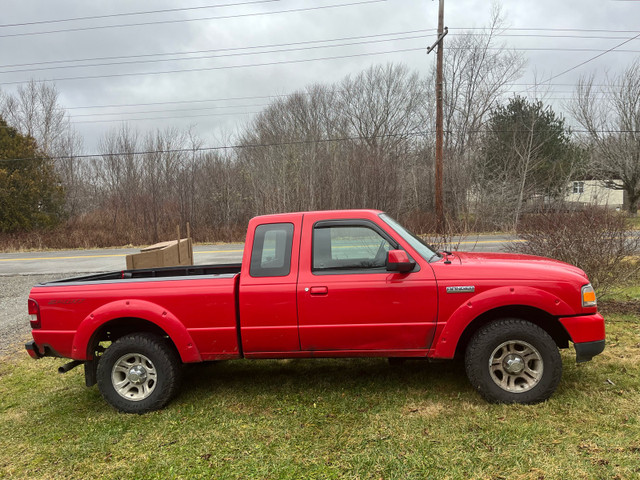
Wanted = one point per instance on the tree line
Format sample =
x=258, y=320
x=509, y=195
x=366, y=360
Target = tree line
x=366, y=141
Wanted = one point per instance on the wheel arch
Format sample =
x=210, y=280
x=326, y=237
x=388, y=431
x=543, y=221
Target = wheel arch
x=119, y=327
x=131, y=316
x=539, y=317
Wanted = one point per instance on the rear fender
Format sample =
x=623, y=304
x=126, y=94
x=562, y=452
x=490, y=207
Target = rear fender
x=132, y=308
x=446, y=343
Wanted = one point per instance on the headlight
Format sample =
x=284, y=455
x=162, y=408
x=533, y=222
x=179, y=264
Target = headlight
x=589, y=296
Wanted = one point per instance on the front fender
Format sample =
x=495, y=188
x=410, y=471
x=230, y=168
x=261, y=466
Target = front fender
x=132, y=308
x=446, y=343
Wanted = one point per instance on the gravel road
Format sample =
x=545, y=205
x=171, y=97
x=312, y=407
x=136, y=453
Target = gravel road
x=14, y=318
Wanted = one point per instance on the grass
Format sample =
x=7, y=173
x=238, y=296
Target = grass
x=355, y=419
x=634, y=222
x=625, y=294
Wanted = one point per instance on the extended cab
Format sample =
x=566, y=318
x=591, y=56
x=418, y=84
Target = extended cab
x=350, y=283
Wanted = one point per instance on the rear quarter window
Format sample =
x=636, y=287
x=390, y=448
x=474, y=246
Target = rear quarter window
x=271, y=253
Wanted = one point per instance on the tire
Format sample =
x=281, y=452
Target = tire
x=513, y=361
x=138, y=373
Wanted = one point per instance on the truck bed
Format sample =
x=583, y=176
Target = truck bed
x=194, y=303
x=164, y=272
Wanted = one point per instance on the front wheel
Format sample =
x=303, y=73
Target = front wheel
x=138, y=373
x=513, y=361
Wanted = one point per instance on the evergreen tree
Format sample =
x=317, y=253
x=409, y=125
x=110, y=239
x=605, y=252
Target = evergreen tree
x=526, y=155
x=30, y=192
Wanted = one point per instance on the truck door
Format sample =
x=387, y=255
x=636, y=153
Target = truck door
x=267, y=294
x=347, y=300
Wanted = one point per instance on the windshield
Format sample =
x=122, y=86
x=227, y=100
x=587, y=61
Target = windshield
x=426, y=251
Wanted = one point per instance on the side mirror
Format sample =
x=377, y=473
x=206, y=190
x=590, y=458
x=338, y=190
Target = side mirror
x=398, y=261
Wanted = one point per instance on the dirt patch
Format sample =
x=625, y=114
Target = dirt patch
x=617, y=307
x=424, y=410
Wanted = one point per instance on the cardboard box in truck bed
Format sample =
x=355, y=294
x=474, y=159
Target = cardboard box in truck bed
x=164, y=254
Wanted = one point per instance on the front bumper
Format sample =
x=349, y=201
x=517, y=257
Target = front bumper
x=584, y=328
x=585, y=351
x=587, y=334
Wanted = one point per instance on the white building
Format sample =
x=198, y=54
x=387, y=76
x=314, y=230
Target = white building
x=595, y=192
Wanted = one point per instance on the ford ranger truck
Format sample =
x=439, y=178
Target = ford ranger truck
x=351, y=283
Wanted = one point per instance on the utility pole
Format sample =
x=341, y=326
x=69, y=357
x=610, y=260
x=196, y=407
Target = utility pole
x=442, y=31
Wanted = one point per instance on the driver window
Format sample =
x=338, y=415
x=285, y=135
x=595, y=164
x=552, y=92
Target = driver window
x=348, y=247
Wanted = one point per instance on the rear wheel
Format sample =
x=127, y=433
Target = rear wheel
x=138, y=373
x=513, y=361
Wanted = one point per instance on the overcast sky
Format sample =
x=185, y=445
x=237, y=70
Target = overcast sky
x=217, y=89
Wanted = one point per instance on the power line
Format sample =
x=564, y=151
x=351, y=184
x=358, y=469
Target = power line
x=82, y=77
x=313, y=47
x=546, y=29
x=523, y=84
x=170, y=110
x=183, y=20
x=225, y=67
x=590, y=59
x=263, y=64
x=274, y=144
x=260, y=97
x=165, y=118
x=556, y=49
x=542, y=98
x=147, y=12
x=180, y=101
x=293, y=49
x=257, y=97
x=72, y=117
x=125, y=119
x=194, y=52
x=540, y=35
x=221, y=147
x=253, y=97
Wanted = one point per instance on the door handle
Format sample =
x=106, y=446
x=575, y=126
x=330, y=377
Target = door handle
x=319, y=290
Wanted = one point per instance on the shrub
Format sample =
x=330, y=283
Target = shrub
x=597, y=240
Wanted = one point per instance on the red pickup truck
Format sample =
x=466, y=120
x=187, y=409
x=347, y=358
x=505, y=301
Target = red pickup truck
x=350, y=283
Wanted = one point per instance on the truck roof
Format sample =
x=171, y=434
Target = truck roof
x=350, y=213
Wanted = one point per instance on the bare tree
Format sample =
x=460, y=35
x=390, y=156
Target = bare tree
x=286, y=152
x=151, y=184
x=34, y=110
x=478, y=70
x=75, y=174
x=119, y=176
x=347, y=145
x=611, y=116
x=384, y=107
x=185, y=179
